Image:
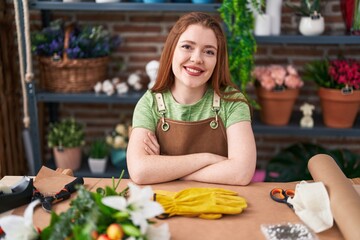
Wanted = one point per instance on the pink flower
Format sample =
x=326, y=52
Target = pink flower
x=345, y=72
x=277, y=76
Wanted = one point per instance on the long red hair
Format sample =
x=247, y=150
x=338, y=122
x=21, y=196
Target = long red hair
x=221, y=75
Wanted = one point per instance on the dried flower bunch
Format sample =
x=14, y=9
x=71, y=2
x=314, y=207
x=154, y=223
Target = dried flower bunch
x=84, y=42
x=277, y=77
x=118, y=139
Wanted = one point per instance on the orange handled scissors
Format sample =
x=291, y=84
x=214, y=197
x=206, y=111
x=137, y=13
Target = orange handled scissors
x=281, y=195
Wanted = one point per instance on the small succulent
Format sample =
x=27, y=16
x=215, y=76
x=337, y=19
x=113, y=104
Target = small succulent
x=307, y=8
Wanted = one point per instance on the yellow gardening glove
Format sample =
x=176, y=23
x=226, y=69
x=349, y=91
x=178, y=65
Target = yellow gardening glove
x=208, y=203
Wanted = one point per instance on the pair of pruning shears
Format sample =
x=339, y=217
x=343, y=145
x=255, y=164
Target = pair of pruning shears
x=281, y=195
x=63, y=194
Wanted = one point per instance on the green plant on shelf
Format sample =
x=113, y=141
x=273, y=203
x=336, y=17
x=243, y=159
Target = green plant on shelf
x=99, y=149
x=306, y=8
x=67, y=133
x=239, y=22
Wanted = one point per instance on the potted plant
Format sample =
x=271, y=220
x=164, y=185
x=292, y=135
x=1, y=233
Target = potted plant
x=118, y=140
x=277, y=88
x=69, y=54
x=239, y=22
x=311, y=21
x=339, y=89
x=66, y=138
x=98, y=156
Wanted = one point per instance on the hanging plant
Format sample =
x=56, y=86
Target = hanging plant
x=239, y=22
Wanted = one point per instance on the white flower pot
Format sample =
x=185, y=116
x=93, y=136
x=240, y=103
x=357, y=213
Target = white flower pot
x=311, y=27
x=97, y=165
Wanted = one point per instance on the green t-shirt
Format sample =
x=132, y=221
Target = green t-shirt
x=146, y=114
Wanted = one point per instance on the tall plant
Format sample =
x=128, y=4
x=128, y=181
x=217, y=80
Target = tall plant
x=239, y=22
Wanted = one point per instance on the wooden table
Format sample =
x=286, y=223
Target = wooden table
x=261, y=210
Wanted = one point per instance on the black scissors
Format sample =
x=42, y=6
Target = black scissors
x=281, y=195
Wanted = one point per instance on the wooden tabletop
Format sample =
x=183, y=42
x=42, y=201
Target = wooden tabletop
x=261, y=210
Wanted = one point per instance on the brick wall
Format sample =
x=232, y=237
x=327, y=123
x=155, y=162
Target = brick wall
x=143, y=34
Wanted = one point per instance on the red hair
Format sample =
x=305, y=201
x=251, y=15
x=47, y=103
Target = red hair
x=221, y=75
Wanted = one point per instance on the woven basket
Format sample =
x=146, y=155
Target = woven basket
x=71, y=75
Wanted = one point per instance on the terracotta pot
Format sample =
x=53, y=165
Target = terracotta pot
x=339, y=110
x=276, y=106
x=68, y=158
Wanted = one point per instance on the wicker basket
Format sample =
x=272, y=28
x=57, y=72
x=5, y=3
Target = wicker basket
x=71, y=75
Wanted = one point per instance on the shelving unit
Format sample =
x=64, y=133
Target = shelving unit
x=132, y=97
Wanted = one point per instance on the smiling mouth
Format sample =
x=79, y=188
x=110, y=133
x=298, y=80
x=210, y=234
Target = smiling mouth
x=192, y=70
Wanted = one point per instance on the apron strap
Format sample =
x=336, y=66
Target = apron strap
x=162, y=110
x=216, y=108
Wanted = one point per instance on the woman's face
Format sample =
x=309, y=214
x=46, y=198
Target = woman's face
x=194, y=57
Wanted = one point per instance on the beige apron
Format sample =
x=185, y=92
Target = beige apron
x=183, y=137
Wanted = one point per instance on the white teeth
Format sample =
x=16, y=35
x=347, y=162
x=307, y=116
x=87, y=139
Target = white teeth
x=192, y=70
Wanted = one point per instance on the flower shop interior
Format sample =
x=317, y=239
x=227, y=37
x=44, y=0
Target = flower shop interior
x=142, y=31
x=72, y=71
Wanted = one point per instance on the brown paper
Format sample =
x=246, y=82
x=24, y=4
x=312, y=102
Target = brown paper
x=50, y=182
x=344, y=199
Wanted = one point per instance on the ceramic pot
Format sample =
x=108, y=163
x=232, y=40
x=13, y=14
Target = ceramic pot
x=339, y=110
x=276, y=106
x=311, y=27
x=118, y=157
x=97, y=165
x=68, y=158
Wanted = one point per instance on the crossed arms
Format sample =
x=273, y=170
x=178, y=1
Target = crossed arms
x=146, y=166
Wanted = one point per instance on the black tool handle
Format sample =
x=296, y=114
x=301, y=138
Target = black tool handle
x=70, y=187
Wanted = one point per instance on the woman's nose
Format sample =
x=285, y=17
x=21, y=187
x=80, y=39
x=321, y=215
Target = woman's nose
x=196, y=57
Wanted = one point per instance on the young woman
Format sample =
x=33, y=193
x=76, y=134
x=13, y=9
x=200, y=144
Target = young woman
x=193, y=124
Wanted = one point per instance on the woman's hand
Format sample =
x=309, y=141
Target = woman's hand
x=152, y=146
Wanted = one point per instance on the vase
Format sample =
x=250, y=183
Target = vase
x=118, y=157
x=276, y=106
x=347, y=12
x=339, y=110
x=262, y=25
x=68, y=158
x=273, y=9
x=310, y=26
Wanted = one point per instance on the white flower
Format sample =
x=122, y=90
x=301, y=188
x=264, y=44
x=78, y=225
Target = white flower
x=20, y=228
x=133, y=79
x=122, y=88
x=143, y=207
x=139, y=205
x=98, y=87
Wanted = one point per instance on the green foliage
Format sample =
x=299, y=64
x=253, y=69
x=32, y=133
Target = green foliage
x=66, y=134
x=291, y=163
x=99, y=149
x=356, y=21
x=241, y=42
x=86, y=214
x=318, y=71
x=306, y=8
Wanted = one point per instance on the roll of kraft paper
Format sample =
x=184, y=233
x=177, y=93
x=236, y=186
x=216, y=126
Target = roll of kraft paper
x=344, y=200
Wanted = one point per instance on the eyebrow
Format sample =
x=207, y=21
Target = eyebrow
x=192, y=42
